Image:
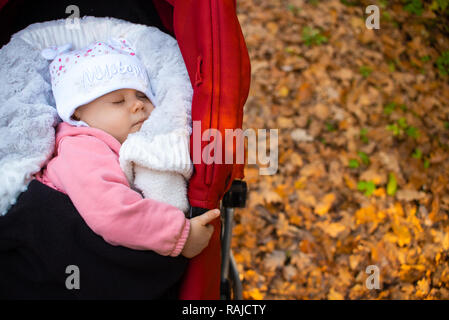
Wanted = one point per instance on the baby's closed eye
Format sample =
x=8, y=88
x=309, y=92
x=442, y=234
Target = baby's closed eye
x=142, y=97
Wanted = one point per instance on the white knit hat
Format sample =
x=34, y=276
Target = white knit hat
x=81, y=76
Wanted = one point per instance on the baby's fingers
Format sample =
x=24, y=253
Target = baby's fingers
x=208, y=216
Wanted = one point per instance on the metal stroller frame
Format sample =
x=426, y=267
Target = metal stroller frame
x=231, y=286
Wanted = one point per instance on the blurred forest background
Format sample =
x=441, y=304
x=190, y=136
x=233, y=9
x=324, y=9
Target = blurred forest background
x=363, y=119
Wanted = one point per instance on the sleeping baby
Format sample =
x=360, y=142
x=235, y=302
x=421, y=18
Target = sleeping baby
x=103, y=95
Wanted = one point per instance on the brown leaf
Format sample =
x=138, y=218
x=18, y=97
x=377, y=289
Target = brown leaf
x=305, y=93
x=332, y=229
x=410, y=195
x=274, y=260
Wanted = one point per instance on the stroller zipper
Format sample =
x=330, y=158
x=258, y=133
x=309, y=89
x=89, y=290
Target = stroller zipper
x=215, y=98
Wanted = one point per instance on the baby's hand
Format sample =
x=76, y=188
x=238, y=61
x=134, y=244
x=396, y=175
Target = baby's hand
x=200, y=233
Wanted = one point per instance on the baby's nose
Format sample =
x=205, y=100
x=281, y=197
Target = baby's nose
x=138, y=105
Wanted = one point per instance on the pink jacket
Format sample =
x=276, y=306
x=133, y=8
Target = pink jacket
x=85, y=166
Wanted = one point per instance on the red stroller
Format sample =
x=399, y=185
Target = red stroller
x=216, y=57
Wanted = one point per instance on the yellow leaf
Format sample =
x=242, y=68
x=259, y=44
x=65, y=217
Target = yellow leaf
x=414, y=221
x=365, y=214
x=422, y=287
x=397, y=210
x=332, y=229
x=282, y=225
x=408, y=271
x=296, y=159
x=325, y=204
x=446, y=241
x=374, y=254
x=238, y=258
x=272, y=27
x=306, y=198
x=334, y=295
x=238, y=230
x=354, y=261
x=390, y=237
x=402, y=233
x=285, y=123
x=250, y=275
x=357, y=23
x=379, y=192
x=438, y=258
x=251, y=174
x=255, y=198
x=433, y=215
x=350, y=182
x=271, y=197
x=283, y=91
x=281, y=190
x=255, y=294
x=381, y=215
x=284, y=156
x=250, y=240
x=246, y=256
x=300, y=184
x=368, y=214
x=270, y=246
x=295, y=219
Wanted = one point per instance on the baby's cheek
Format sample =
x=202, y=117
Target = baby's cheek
x=150, y=107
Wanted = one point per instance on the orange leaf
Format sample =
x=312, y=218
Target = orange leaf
x=304, y=93
x=402, y=233
x=255, y=294
x=325, y=204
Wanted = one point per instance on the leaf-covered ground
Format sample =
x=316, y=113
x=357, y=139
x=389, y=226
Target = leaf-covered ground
x=363, y=119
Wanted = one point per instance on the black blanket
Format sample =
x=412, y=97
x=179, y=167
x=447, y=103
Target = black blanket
x=45, y=245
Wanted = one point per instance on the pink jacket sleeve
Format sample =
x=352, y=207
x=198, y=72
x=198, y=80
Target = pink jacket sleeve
x=89, y=172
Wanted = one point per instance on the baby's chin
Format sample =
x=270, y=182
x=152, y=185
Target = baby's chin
x=135, y=127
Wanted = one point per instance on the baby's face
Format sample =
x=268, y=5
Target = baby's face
x=119, y=112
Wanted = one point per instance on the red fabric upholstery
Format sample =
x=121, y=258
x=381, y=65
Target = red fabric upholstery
x=211, y=42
